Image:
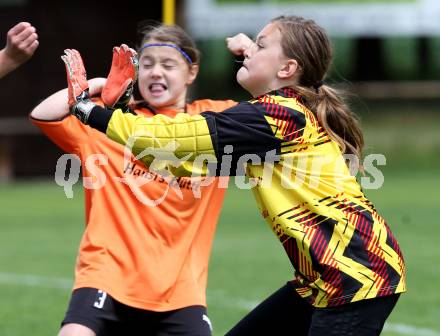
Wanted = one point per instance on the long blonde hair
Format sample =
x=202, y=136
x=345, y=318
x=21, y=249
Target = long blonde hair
x=308, y=43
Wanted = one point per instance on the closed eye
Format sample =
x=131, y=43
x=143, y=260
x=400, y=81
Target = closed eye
x=168, y=66
x=258, y=43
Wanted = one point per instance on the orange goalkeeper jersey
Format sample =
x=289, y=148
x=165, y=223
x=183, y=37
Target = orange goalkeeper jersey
x=148, y=256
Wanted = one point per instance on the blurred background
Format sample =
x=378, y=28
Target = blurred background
x=387, y=57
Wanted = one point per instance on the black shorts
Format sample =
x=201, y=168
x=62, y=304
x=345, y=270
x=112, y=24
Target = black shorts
x=104, y=315
x=286, y=313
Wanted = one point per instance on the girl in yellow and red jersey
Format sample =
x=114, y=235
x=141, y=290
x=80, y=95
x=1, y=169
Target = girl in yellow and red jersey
x=143, y=258
x=349, y=270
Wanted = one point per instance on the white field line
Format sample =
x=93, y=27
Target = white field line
x=221, y=298
x=31, y=280
x=217, y=296
x=404, y=329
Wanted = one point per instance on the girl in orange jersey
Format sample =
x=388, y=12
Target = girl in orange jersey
x=143, y=258
x=349, y=270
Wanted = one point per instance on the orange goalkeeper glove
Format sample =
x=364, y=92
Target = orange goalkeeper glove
x=79, y=101
x=118, y=88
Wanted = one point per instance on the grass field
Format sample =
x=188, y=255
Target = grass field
x=40, y=230
x=39, y=239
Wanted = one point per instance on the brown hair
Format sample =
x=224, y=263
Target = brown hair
x=308, y=43
x=172, y=34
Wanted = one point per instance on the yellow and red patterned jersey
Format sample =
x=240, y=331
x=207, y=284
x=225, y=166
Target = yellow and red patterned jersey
x=342, y=250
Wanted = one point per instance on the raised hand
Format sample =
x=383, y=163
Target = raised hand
x=21, y=43
x=76, y=76
x=123, y=74
x=78, y=87
x=238, y=44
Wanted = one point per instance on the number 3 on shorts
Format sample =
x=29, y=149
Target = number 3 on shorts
x=100, y=299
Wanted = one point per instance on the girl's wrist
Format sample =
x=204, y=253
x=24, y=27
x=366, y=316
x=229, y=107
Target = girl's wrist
x=96, y=85
x=7, y=62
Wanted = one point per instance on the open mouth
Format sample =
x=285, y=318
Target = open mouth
x=157, y=89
